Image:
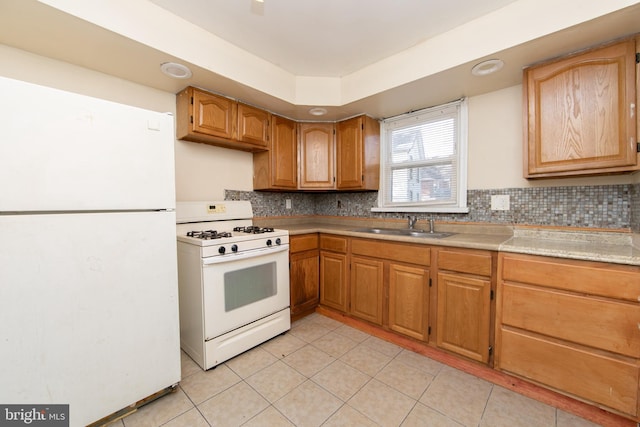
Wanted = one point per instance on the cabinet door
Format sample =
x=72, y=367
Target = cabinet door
x=304, y=276
x=277, y=168
x=409, y=300
x=349, y=154
x=317, y=156
x=579, y=112
x=463, y=315
x=595, y=376
x=213, y=115
x=333, y=280
x=253, y=125
x=367, y=279
x=284, y=153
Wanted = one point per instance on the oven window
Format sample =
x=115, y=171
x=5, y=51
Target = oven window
x=248, y=285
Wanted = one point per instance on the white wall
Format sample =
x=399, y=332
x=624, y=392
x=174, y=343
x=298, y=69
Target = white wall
x=496, y=149
x=202, y=172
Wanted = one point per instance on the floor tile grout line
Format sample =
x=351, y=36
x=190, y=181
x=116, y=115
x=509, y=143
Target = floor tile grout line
x=486, y=404
x=313, y=344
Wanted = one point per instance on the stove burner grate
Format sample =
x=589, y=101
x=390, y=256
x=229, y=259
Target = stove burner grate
x=208, y=234
x=253, y=229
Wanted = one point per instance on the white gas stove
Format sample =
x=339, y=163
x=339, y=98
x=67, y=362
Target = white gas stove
x=227, y=226
x=233, y=279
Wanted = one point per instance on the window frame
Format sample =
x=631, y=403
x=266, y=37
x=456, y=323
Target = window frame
x=459, y=205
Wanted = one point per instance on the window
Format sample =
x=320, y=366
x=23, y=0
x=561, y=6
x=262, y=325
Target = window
x=424, y=160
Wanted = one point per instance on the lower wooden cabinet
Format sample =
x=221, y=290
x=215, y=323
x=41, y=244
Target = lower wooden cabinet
x=464, y=289
x=304, y=273
x=390, y=285
x=568, y=325
x=366, y=287
x=409, y=300
x=464, y=315
x=333, y=272
x=572, y=326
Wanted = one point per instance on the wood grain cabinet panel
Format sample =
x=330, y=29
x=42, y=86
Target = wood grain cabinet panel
x=213, y=114
x=334, y=268
x=358, y=154
x=571, y=325
x=213, y=119
x=593, y=278
x=579, y=113
x=317, y=156
x=464, y=315
x=402, y=252
x=253, y=125
x=277, y=168
x=366, y=289
x=333, y=280
x=465, y=279
x=409, y=300
x=333, y=243
x=600, y=323
x=606, y=380
x=304, y=273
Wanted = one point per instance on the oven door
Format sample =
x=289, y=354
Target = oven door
x=245, y=287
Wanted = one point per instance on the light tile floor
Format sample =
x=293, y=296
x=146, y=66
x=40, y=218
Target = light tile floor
x=325, y=373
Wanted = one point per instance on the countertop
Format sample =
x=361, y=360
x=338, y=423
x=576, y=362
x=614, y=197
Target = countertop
x=613, y=247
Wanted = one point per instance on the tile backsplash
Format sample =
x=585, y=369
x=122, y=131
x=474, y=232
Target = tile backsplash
x=635, y=208
x=607, y=206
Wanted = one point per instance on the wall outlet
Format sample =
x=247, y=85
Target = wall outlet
x=287, y=203
x=500, y=202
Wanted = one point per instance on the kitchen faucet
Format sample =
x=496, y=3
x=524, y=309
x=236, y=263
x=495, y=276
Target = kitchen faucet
x=412, y=221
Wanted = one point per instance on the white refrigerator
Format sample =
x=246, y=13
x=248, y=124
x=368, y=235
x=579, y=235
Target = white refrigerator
x=88, y=276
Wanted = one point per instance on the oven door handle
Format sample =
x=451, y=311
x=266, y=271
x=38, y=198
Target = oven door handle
x=244, y=255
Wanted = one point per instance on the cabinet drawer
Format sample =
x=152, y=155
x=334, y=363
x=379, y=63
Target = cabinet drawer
x=614, y=281
x=303, y=242
x=333, y=243
x=465, y=262
x=603, y=324
x=403, y=252
x=596, y=377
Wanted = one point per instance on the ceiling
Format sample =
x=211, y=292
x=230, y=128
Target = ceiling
x=329, y=38
x=290, y=55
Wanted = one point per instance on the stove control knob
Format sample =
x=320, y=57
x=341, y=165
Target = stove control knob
x=234, y=248
x=278, y=241
x=221, y=250
x=269, y=242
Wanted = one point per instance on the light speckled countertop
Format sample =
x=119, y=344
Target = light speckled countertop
x=613, y=247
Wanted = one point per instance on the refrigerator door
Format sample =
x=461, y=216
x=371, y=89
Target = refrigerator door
x=88, y=310
x=61, y=151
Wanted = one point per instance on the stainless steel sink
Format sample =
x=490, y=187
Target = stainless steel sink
x=405, y=232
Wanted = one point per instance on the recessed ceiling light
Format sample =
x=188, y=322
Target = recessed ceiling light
x=318, y=111
x=177, y=71
x=489, y=66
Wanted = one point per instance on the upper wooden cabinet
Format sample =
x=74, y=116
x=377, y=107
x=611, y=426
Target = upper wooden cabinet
x=358, y=154
x=277, y=168
x=316, y=165
x=348, y=161
x=213, y=119
x=288, y=155
x=579, y=113
x=253, y=125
